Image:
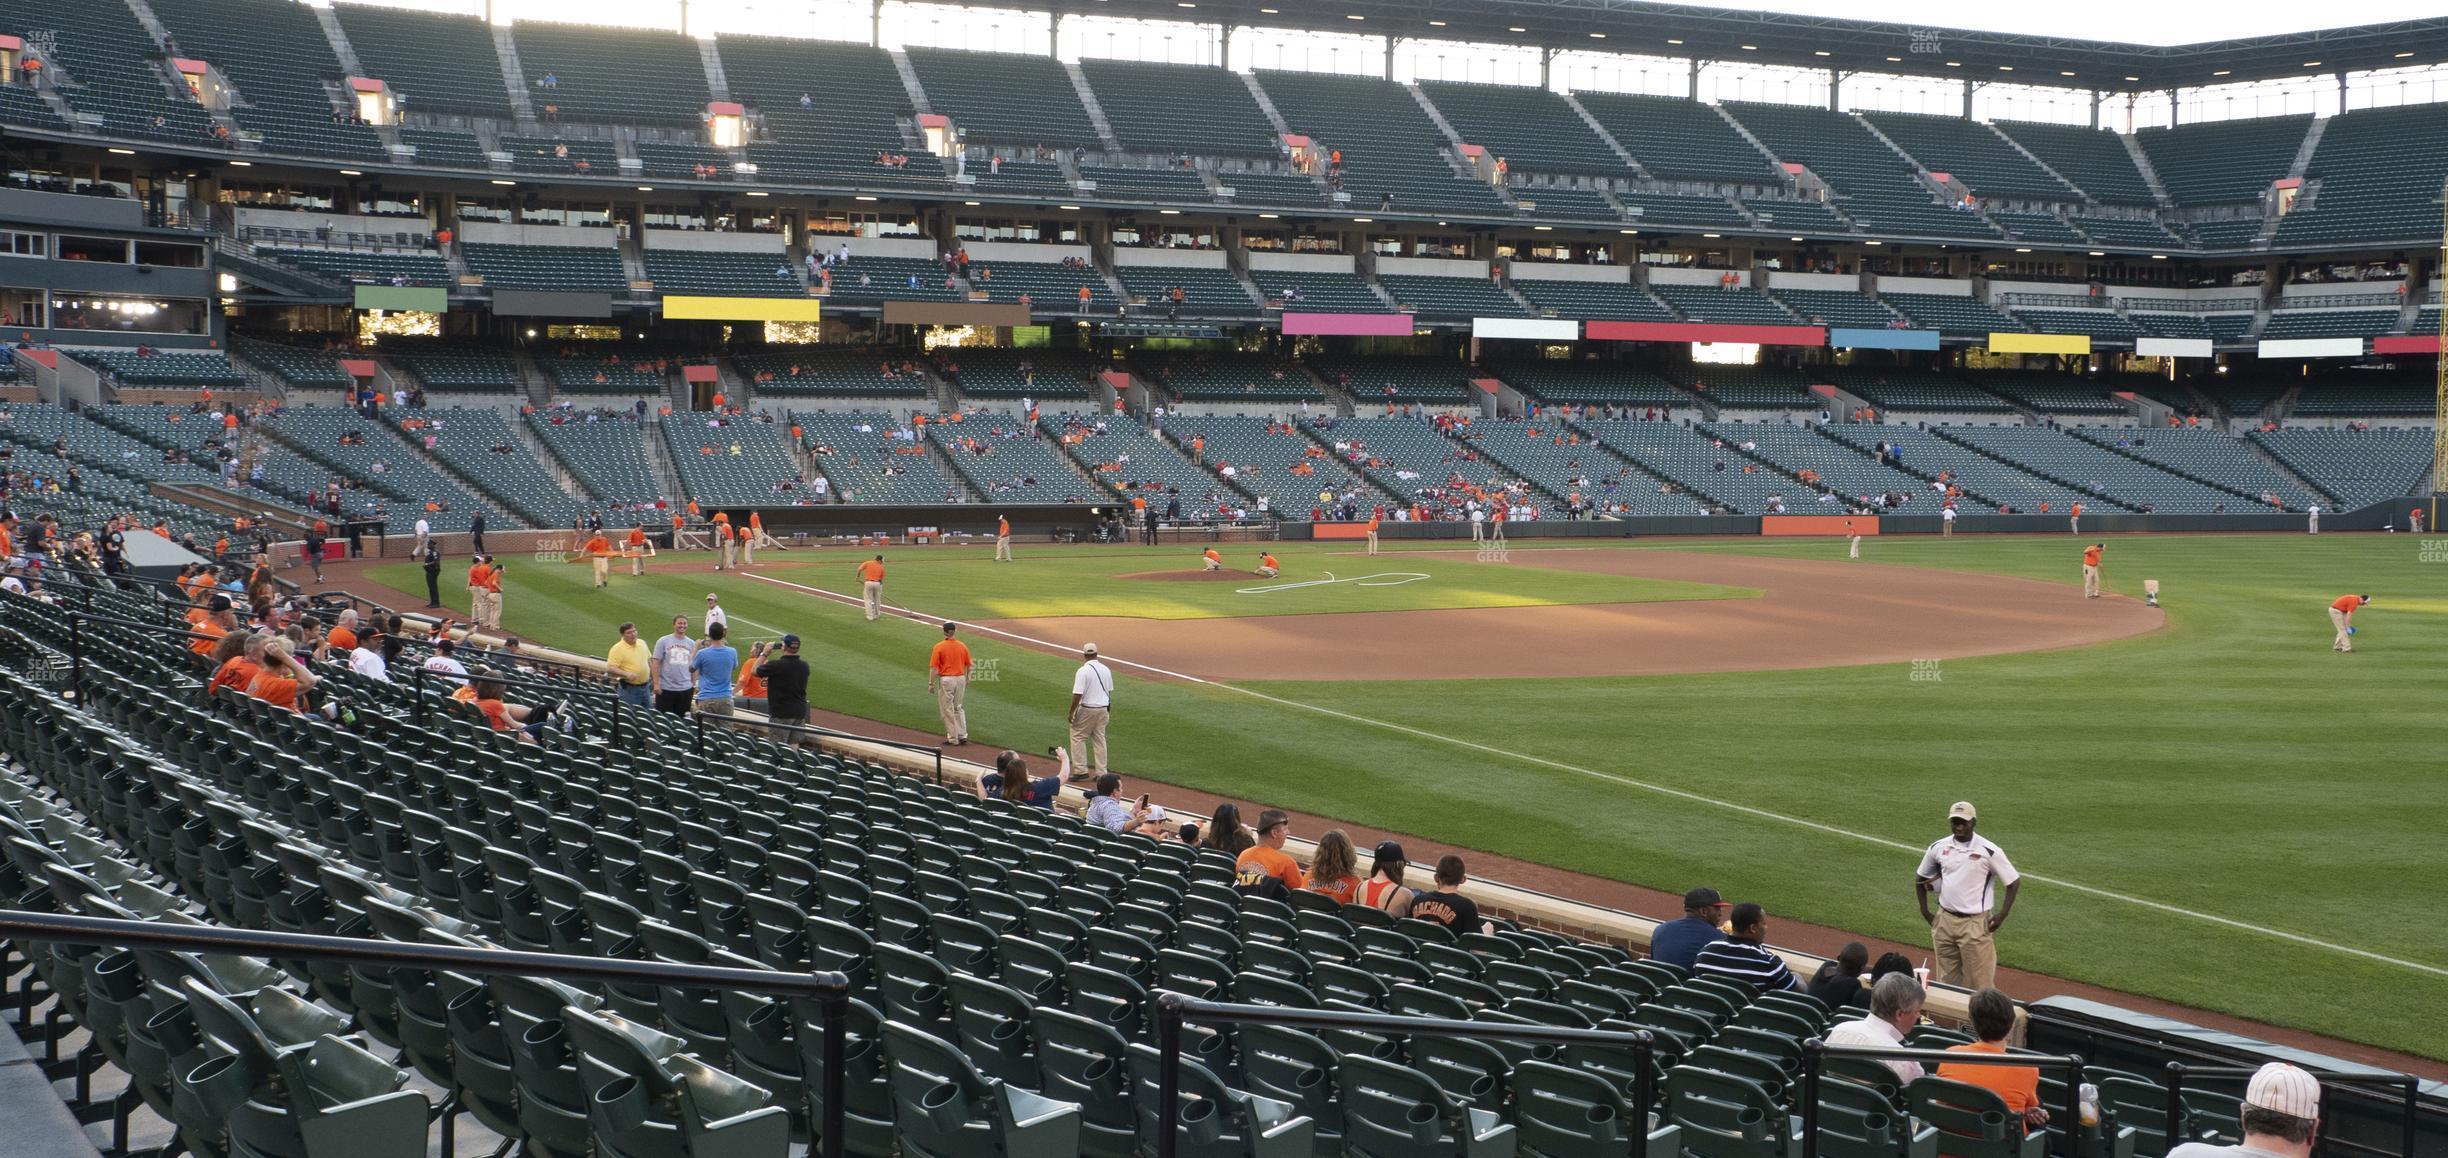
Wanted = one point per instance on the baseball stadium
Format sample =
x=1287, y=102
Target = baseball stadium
x=1143, y=579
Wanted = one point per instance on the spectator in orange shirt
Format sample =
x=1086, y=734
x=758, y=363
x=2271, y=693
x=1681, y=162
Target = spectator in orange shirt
x=1335, y=869
x=1993, y=1018
x=2341, y=614
x=284, y=681
x=752, y=686
x=1266, y=861
x=2091, y=566
x=242, y=663
x=221, y=618
x=948, y=677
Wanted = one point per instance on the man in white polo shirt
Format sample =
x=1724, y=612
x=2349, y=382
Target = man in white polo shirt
x=1091, y=707
x=2280, y=1116
x=714, y=612
x=1965, y=869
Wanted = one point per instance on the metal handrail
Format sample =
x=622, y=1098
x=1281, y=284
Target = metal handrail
x=835, y=733
x=1173, y=1010
x=2410, y=1085
x=831, y=991
x=1816, y=1051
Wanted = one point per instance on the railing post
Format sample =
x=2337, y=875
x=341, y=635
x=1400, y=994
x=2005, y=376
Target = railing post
x=416, y=680
x=1168, y=1074
x=2175, y=1104
x=699, y=718
x=616, y=731
x=2413, y=1091
x=835, y=1016
x=1814, y=1055
x=2076, y=1133
x=1644, y=1082
x=76, y=653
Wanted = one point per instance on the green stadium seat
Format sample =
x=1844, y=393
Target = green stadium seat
x=1677, y=139
x=612, y=74
x=278, y=58
x=1215, y=1121
x=1172, y=108
x=1971, y=152
x=2223, y=162
x=1004, y=98
x=1450, y=298
x=560, y=268
x=1392, y=1111
x=1972, y=1121
x=1532, y=129
x=1873, y=186
x=326, y=1096
x=2095, y=160
x=652, y=1100
x=440, y=62
x=1318, y=291
x=1390, y=148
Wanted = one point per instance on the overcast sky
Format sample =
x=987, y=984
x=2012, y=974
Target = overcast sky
x=2149, y=22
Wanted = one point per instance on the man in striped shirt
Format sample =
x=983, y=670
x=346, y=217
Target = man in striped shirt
x=1744, y=957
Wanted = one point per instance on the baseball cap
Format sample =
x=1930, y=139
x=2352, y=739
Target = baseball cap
x=1390, y=850
x=1090, y=649
x=2284, y=1089
x=711, y=597
x=219, y=603
x=1701, y=898
x=790, y=641
x=1963, y=809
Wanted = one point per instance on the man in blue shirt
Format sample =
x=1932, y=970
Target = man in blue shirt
x=1678, y=943
x=715, y=664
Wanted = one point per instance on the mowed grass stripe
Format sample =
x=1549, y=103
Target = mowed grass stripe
x=2229, y=765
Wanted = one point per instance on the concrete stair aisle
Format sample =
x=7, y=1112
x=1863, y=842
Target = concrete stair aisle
x=338, y=37
x=945, y=464
x=143, y=11
x=2034, y=158
x=1744, y=132
x=717, y=83
x=2142, y=165
x=1096, y=111
x=1630, y=162
x=534, y=448
x=909, y=81
x=260, y=380
x=659, y=461
x=514, y=78
x=1266, y=104
x=534, y=383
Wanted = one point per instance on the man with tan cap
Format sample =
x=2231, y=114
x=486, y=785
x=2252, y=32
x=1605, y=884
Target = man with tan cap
x=2281, y=1117
x=1965, y=870
x=1091, y=706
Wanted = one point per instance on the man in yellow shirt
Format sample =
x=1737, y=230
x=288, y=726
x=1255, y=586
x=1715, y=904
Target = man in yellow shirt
x=627, y=659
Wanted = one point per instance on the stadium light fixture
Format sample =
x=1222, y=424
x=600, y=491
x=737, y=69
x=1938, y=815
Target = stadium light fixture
x=762, y=193
x=2403, y=55
x=1672, y=40
x=499, y=181
x=351, y=173
x=1072, y=208
x=1542, y=228
x=1712, y=235
x=1797, y=239
x=1170, y=212
x=2065, y=74
x=1517, y=30
x=1597, y=36
x=1271, y=11
x=1822, y=52
x=645, y=188
x=2311, y=64
x=2158, y=257
x=1363, y=220
x=1269, y=216
x=1629, y=232
x=1750, y=48
x=1436, y=24
x=2099, y=253
x=124, y=152
x=860, y=197
x=249, y=165
x=1954, y=64
x=1353, y=16
x=2005, y=68
x=2133, y=78
x=1874, y=243
x=973, y=204
x=2022, y=251
x=1895, y=60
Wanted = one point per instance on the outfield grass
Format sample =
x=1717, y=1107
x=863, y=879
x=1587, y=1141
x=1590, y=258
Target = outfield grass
x=2230, y=765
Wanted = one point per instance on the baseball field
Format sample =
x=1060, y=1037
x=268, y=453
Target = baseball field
x=2209, y=805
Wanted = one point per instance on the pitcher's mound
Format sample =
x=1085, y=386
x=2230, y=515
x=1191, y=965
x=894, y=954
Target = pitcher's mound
x=1225, y=576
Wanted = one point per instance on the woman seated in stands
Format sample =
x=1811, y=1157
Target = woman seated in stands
x=1333, y=870
x=1225, y=832
x=1010, y=781
x=1384, y=888
x=528, y=722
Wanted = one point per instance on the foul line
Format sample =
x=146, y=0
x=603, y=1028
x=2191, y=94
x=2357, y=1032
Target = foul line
x=1385, y=579
x=1628, y=782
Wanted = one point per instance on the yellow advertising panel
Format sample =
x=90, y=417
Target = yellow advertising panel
x=2039, y=343
x=741, y=309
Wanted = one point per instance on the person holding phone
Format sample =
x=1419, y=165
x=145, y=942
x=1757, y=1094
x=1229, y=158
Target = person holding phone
x=1106, y=809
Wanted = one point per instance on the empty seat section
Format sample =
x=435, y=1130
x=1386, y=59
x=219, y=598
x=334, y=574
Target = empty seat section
x=1271, y=457
x=1532, y=129
x=2211, y=455
x=1004, y=98
x=2379, y=172
x=872, y=457
x=718, y=273
x=1617, y=301
x=478, y=444
x=1409, y=458
x=1748, y=387
x=1689, y=466
x=733, y=462
x=1450, y=297
x=1663, y=209
x=1050, y=286
x=1172, y=185
x=1587, y=383
x=1877, y=189
x=445, y=149
x=855, y=100
x=1375, y=382
x=1021, y=177
x=2106, y=324
x=1175, y=108
x=1563, y=460
x=604, y=451
x=1741, y=304
x=612, y=74
x=864, y=280
x=2095, y=160
x=276, y=55
x=1972, y=153
x=567, y=268
x=1836, y=307
x=995, y=452
x=667, y=161
x=2044, y=227
x=2223, y=162
x=1984, y=479
x=2331, y=323
x=1137, y=462
x=2094, y=468
x=1016, y=374
x=405, y=478
x=299, y=367
x=1390, y=148
x=2053, y=393
x=1209, y=376
x=443, y=63
x=1810, y=217
x=443, y=364
x=804, y=371
x=2225, y=233
x=1950, y=313
x=1206, y=293
x=2357, y=467
x=24, y=107
x=562, y=155
x=2367, y=394
x=2139, y=232
x=1272, y=187
x=156, y=367
x=1567, y=202
x=110, y=70
x=606, y=368
x=368, y=267
x=1679, y=140
x=1913, y=391
x=1834, y=467
x=1312, y=290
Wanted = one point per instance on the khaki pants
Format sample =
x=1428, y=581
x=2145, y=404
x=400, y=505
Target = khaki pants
x=603, y=569
x=874, y=592
x=1853, y=551
x=1087, y=736
x=730, y=554
x=637, y=562
x=2091, y=581
x=1003, y=548
x=1967, y=954
x=951, y=702
x=1211, y=565
x=2074, y=523
x=1946, y=528
x=1478, y=531
x=482, y=611
x=747, y=547
x=2337, y=618
x=1372, y=542
x=1266, y=572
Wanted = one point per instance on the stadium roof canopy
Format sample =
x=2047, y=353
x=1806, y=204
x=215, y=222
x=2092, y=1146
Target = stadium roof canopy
x=1819, y=42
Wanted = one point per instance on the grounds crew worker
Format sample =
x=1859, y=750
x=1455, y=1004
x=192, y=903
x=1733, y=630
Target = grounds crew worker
x=2341, y=614
x=1003, y=539
x=1962, y=869
x=599, y=557
x=871, y=586
x=948, y=678
x=637, y=550
x=1268, y=568
x=1091, y=708
x=2091, y=566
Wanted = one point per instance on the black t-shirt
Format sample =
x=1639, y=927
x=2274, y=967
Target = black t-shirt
x=1452, y=910
x=786, y=680
x=1838, y=990
x=113, y=545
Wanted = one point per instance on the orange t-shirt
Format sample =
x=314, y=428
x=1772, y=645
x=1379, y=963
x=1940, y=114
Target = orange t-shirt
x=341, y=639
x=476, y=575
x=2018, y=1085
x=1212, y=557
x=2091, y=556
x=275, y=688
x=1002, y=527
x=871, y=571
x=464, y=693
x=950, y=658
x=2076, y=511
x=752, y=685
x=1265, y=560
x=497, y=714
x=212, y=633
x=1342, y=889
x=237, y=672
x=1373, y=522
x=637, y=537
x=2347, y=603
x=1259, y=862
x=492, y=579
x=599, y=547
